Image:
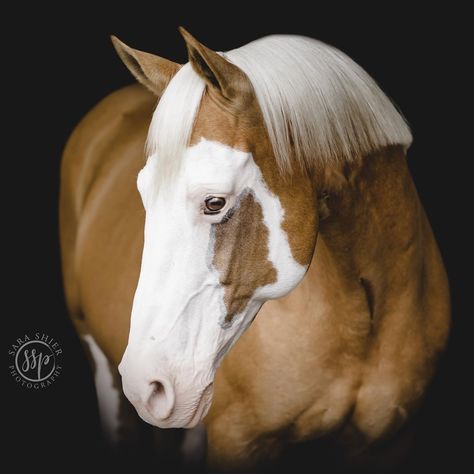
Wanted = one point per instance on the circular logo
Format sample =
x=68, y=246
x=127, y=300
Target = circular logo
x=35, y=360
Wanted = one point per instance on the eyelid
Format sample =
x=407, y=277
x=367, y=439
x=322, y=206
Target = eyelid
x=215, y=195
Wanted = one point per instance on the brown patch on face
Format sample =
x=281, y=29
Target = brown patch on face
x=299, y=201
x=241, y=254
x=223, y=121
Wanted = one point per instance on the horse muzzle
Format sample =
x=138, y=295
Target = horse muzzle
x=166, y=401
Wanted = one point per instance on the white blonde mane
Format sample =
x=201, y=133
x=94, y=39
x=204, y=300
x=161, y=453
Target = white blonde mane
x=313, y=98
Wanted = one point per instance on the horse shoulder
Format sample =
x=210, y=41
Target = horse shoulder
x=405, y=353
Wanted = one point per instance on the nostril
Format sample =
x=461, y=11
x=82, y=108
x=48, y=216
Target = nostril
x=161, y=399
x=158, y=389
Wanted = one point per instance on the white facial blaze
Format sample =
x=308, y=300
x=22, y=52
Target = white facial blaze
x=177, y=331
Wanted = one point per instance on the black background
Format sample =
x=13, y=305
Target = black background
x=58, y=63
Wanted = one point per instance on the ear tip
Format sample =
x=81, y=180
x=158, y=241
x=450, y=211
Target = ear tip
x=187, y=36
x=120, y=46
x=115, y=41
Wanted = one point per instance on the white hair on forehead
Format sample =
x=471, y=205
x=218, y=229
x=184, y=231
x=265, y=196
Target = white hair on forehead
x=314, y=99
x=173, y=120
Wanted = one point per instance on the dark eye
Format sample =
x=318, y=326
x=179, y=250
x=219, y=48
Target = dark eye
x=213, y=204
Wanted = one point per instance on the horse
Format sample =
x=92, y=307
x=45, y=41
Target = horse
x=269, y=180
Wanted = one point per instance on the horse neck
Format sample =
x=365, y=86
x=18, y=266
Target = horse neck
x=369, y=252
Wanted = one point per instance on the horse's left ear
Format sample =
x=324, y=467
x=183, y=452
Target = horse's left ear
x=152, y=71
x=218, y=73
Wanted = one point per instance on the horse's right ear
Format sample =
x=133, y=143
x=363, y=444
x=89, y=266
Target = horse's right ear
x=152, y=71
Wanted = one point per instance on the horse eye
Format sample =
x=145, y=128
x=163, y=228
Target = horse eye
x=213, y=204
